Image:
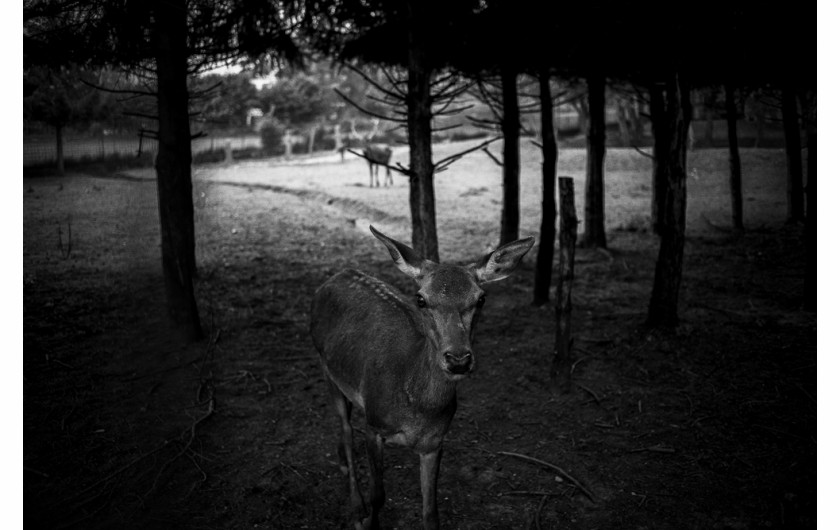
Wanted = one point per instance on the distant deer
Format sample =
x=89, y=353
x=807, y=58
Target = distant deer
x=399, y=358
x=377, y=155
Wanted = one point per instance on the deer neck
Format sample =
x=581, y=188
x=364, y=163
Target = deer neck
x=427, y=386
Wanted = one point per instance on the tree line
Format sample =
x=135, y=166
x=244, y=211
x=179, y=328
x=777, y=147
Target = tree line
x=428, y=55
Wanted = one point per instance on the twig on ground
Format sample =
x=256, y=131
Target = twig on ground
x=529, y=493
x=211, y=407
x=539, y=512
x=590, y=392
x=655, y=449
x=560, y=470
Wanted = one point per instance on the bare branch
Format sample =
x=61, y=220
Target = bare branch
x=140, y=115
x=201, y=93
x=446, y=162
x=367, y=111
x=493, y=157
x=118, y=91
x=451, y=112
x=393, y=80
x=446, y=127
x=396, y=93
x=648, y=155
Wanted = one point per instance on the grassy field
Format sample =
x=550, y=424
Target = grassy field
x=712, y=426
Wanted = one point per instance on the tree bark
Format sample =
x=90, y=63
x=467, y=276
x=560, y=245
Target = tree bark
x=735, y=185
x=561, y=364
x=594, y=232
x=545, y=252
x=173, y=167
x=793, y=156
x=662, y=311
x=809, y=118
x=659, y=181
x=421, y=194
x=510, y=154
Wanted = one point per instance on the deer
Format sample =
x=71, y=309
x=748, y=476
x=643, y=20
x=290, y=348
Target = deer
x=399, y=359
x=378, y=155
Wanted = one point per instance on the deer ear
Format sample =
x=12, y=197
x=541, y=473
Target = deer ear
x=404, y=256
x=500, y=263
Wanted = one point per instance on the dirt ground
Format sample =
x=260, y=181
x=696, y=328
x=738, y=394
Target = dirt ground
x=710, y=426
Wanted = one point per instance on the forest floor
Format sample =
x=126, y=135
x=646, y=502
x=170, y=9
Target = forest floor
x=712, y=425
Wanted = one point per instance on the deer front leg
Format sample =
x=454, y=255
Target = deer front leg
x=429, y=468
x=377, y=490
x=345, y=450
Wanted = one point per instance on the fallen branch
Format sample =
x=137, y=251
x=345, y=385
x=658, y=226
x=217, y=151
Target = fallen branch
x=526, y=492
x=590, y=392
x=558, y=469
x=655, y=449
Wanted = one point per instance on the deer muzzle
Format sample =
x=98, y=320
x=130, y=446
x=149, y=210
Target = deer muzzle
x=459, y=362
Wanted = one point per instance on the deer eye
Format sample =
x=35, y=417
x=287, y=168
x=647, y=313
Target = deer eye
x=480, y=302
x=421, y=302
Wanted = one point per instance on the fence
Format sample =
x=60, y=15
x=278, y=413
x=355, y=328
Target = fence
x=42, y=151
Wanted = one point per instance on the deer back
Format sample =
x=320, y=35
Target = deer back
x=373, y=347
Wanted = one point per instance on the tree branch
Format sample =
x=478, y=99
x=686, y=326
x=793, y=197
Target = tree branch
x=441, y=165
x=367, y=111
x=493, y=157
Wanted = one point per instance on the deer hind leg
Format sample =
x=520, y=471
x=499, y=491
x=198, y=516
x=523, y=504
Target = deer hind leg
x=374, y=444
x=389, y=180
x=370, y=168
x=345, y=449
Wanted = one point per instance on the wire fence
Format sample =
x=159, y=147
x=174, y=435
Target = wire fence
x=42, y=151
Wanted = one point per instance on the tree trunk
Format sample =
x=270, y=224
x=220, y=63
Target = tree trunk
x=809, y=118
x=561, y=364
x=659, y=129
x=173, y=167
x=545, y=252
x=662, y=311
x=793, y=155
x=582, y=108
x=313, y=131
x=421, y=193
x=510, y=154
x=594, y=233
x=623, y=121
x=735, y=187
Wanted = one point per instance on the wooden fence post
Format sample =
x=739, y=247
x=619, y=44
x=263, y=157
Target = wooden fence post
x=561, y=365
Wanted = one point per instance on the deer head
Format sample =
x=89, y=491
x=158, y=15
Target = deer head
x=449, y=298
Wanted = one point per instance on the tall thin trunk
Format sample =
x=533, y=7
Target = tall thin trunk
x=421, y=193
x=735, y=186
x=662, y=310
x=173, y=167
x=59, y=148
x=659, y=181
x=809, y=118
x=793, y=156
x=510, y=154
x=545, y=252
x=594, y=232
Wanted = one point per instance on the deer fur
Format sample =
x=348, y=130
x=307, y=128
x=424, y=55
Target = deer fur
x=399, y=358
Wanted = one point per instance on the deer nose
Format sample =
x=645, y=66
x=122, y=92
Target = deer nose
x=458, y=362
